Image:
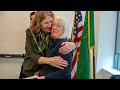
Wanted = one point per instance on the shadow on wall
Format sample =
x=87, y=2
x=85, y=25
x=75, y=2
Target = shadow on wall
x=103, y=74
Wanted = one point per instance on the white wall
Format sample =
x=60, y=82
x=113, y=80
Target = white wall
x=118, y=36
x=106, y=42
x=12, y=31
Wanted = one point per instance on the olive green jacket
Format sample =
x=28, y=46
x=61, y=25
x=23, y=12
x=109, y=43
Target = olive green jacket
x=30, y=65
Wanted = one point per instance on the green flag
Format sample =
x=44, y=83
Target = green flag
x=83, y=64
x=92, y=37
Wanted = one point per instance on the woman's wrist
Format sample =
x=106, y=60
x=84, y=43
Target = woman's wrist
x=43, y=60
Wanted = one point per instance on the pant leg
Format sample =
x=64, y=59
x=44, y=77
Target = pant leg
x=21, y=74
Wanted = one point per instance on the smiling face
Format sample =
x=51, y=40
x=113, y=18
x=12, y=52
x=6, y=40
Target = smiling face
x=42, y=21
x=57, y=28
x=46, y=24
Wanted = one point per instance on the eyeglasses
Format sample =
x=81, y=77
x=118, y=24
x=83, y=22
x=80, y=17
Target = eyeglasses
x=57, y=25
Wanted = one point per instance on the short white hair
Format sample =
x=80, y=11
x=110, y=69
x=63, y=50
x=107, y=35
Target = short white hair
x=65, y=25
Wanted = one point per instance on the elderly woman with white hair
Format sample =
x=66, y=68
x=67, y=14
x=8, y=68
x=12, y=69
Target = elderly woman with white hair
x=59, y=33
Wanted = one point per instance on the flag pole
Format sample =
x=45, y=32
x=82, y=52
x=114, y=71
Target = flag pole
x=93, y=65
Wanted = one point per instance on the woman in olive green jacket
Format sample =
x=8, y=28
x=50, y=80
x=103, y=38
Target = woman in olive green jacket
x=38, y=39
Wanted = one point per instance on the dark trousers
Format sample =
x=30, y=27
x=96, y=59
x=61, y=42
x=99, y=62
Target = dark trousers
x=21, y=74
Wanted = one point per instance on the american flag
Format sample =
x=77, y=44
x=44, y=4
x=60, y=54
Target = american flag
x=76, y=37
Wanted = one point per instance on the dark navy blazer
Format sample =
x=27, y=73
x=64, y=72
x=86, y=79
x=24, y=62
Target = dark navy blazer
x=54, y=73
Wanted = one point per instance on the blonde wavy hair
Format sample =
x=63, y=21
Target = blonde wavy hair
x=39, y=16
